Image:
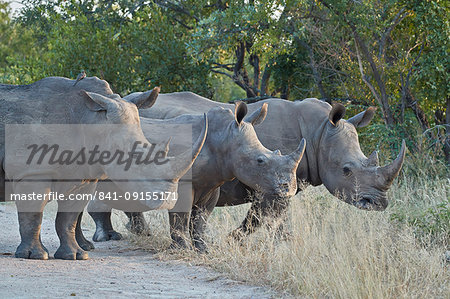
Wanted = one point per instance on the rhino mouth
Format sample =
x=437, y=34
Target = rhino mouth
x=282, y=193
x=369, y=204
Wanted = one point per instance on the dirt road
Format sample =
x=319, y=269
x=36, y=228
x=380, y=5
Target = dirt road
x=114, y=270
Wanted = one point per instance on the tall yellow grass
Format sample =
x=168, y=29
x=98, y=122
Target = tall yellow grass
x=333, y=250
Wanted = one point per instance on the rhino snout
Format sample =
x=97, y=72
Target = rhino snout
x=284, y=190
x=367, y=202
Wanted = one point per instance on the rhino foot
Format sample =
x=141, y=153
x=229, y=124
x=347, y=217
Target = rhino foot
x=102, y=235
x=86, y=245
x=68, y=253
x=179, y=242
x=32, y=251
x=113, y=235
x=79, y=236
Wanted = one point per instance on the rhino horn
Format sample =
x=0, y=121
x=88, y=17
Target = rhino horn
x=146, y=99
x=182, y=163
x=373, y=159
x=297, y=155
x=391, y=171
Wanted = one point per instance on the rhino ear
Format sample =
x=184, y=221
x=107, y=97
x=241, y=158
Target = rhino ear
x=240, y=110
x=146, y=99
x=258, y=116
x=336, y=114
x=362, y=119
x=95, y=101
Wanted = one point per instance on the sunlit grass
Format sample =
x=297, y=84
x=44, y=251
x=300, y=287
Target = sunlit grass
x=333, y=249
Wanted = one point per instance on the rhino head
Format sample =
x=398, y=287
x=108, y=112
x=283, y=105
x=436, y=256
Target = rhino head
x=272, y=174
x=128, y=134
x=345, y=170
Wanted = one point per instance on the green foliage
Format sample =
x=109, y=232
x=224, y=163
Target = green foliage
x=222, y=29
x=5, y=34
x=430, y=24
x=225, y=90
x=307, y=49
x=130, y=53
x=15, y=41
x=292, y=69
x=388, y=141
x=159, y=47
x=430, y=225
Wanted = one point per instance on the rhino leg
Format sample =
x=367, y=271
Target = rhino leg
x=101, y=214
x=31, y=246
x=104, y=230
x=179, y=233
x=137, y=224
x=260, y=208
x=81, y=240
x=65, y=228
x=199, y=218
x=30, y=219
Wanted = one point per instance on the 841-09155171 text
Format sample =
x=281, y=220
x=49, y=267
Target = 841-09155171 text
x=96, y=195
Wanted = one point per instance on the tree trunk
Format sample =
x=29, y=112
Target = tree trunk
x=316, y=74
x=418, y=112
x=265, y=80
x=381, y=96
x=254, y=61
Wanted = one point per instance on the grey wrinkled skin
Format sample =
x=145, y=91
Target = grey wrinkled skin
x=333, y=156
x=55, y=100
x=231, y=150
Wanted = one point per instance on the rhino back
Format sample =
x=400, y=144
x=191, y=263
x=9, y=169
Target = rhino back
x=174, y=104
x=278, y=131
x=52, y=100
x=159, y=131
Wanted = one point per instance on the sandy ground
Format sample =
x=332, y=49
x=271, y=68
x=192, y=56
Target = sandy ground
x=114, y=270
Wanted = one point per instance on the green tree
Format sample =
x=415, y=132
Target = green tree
x=132, y=47
x=393, y=54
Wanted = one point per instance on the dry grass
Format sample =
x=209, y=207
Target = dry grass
x=333, y=250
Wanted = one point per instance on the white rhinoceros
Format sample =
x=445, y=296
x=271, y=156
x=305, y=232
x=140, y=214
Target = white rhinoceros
x=332, y=157
x=90, y=106
x=231, y=151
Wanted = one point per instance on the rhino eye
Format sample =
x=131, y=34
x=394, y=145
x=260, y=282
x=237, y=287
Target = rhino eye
x=347, y=171
x=260, y=160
